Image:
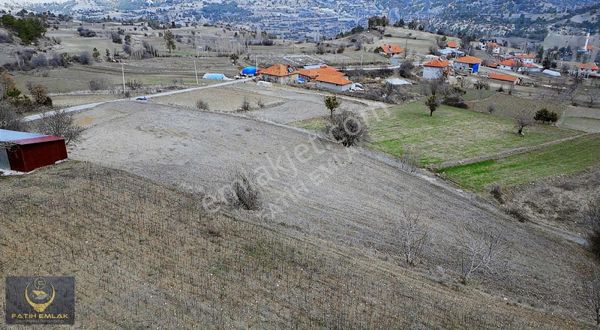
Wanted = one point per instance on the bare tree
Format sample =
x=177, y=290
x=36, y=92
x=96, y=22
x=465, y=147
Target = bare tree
x=9, y=119
x=522, y=120
x=481, y=251
x=413, y=235
x=60, y=124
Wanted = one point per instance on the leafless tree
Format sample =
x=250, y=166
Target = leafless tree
x=522, y=120
x=60, y=124
x=481, y=251
x=10, y=119
x=413, y=235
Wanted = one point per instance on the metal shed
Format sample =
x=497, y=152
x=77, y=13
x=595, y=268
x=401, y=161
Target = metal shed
x=24, y=152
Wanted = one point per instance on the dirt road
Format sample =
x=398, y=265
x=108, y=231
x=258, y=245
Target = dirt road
x=316, y=188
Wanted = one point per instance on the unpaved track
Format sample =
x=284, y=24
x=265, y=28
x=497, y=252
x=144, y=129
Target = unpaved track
x=351, y=200
x=301, y=104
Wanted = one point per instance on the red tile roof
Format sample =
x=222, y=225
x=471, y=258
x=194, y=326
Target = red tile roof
x=324, y=70
x=278, y=70
x=525, y=56
x=469, y=60
x=437, y=63
x=502, y=77
x=588, y=66
x=391, y=49
x=452, y=44
x=510, y=62
x=333, y=79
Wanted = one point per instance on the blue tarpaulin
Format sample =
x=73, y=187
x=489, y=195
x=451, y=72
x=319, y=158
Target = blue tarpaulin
x=249, y=71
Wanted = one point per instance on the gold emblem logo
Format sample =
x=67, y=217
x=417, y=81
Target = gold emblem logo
x=39, y=294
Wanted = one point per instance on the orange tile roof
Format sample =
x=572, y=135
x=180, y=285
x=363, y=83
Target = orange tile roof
x=493, y=45
x=452, y=44
x=589, y=47
x=525, y=56
x=324, y=70
x=391, y=49
x=503, y=77
x=333, y=79
x=278, y=70
x=510, y=62
x=437, y=63
x=468, y=60
x=588, y=66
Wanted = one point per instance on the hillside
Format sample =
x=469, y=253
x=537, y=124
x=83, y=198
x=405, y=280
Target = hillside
x=144, y=255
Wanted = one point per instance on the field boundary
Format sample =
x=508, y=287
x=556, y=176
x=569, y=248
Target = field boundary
x=504, y=154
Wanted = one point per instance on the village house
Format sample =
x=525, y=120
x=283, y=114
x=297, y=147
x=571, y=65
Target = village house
x=435, y=69
x=510, y=65
x=333, y=82
x=588, y=70
x=467, y=64
x=452, y=44
x=390, y=49
x=504, y=78
x=493, y=48
x=279, y=73
x=526, y=58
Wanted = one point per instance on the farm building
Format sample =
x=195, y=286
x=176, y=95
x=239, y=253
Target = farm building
x=435, y=69
x=279, y=73
x=467, y=64
x=390, y=49
x=24, y=152
x=588, y=70
x=508, y=65
x=313, y=73
x=333, y=82
x=526, y=58
x=214, y=76
x=504, y=78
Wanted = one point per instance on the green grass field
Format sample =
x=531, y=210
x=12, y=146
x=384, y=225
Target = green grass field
x=563, y=158
x=452, y=134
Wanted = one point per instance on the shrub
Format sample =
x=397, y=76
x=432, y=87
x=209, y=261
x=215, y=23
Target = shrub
x=496, y=192
x=39, y=93
x=347, y=128
x=406, y=68
x=202, y=105
x=455, y=101
x=86, y=33
x=39, y=61
x=116, y=38
x=98, y=84
x=491, y=108
x=245, y=105
x=546, y=116
x=247, y=194
x=260, y=103
x=134, y=84
x=9, y=119
x=60, y=124
x=5, y=38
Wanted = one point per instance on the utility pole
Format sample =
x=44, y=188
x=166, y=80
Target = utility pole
x=196, y=72
x=123, y=74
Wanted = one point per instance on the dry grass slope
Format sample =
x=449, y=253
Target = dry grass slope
x=148, y=256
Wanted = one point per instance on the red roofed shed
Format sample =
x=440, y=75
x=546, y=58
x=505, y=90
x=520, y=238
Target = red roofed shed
x=24, y=152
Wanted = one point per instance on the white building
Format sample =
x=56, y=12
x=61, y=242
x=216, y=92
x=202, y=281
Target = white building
x=333, y=82
x=435, y=69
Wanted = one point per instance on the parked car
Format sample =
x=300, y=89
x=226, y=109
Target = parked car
x=141, y=98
